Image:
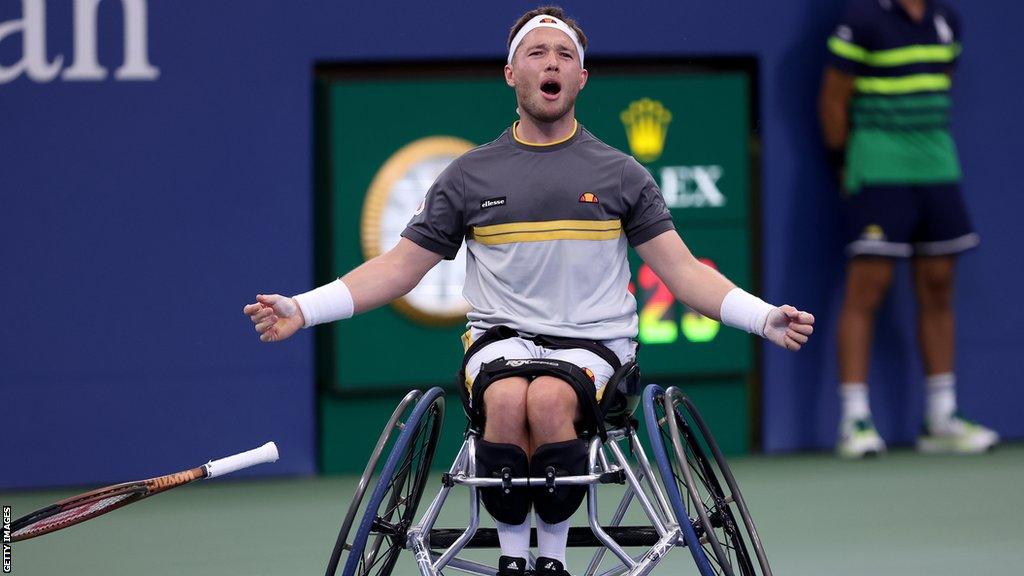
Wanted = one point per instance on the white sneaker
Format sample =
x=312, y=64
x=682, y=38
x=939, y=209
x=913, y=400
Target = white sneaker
x=859, y=439
x=956, y=435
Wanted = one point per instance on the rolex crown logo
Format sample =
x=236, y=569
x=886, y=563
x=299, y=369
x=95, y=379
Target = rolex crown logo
x=646, y=122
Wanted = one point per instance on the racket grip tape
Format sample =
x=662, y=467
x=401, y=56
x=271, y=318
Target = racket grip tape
x=265, y=453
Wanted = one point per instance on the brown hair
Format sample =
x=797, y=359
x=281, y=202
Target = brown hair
x=555, y=11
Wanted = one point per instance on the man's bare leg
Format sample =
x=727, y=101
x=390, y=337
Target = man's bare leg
x=946, y=431
x=867, y=282
x=505, y=408
x=933, y=285
x=551, y=407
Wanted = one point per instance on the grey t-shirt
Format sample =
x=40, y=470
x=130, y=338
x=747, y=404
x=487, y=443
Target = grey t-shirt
x=546, y=230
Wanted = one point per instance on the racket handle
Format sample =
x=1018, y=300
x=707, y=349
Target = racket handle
x=265, y=453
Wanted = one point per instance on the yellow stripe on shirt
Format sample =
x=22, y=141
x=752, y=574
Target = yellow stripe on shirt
x=549, y=230
x=902, y=84
x=903, y=56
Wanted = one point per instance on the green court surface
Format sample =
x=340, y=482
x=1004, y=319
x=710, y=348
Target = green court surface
x=904, y=514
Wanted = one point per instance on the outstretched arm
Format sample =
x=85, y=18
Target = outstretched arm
x=373, y=283
x=390, y=275
x=705, y=290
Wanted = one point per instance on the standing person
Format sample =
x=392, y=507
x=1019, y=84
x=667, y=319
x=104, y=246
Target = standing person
x=546, y=211
x=885, y=113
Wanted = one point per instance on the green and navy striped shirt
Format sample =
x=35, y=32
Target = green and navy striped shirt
x=901, y=105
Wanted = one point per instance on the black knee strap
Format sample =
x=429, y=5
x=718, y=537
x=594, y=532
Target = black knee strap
x=490, y=336
x=573, y=375
x=472, y=395
x=567, y=458
x=492, y=459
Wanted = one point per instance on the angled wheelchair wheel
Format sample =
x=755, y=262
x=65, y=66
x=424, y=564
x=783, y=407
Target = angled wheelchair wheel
x=391, y=507
x=667, y=468
x=698, y=479
x=731, y=503
x=391, y=431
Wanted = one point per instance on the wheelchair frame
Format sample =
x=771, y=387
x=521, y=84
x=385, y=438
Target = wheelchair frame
x=700, y=490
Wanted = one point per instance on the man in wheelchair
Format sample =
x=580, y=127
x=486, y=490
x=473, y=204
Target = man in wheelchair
x=546, y=212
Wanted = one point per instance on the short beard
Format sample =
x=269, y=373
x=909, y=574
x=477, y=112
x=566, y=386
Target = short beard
x=526, y=106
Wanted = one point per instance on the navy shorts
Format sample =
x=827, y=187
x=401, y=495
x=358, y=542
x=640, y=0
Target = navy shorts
x=902, y=221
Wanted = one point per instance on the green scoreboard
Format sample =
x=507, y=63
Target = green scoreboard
x=384, y=132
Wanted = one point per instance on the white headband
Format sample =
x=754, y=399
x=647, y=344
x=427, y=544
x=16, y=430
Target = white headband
x=544, y=21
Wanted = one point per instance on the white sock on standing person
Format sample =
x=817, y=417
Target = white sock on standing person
x=551, y=539
x=854, y=397
x=940, y=398
x=514, y=538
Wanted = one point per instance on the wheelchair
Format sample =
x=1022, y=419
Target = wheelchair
x=697, y=503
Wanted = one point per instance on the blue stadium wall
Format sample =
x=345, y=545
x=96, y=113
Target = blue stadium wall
x=140, y=215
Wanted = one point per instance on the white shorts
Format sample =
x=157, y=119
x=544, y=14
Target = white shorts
x=522, y=349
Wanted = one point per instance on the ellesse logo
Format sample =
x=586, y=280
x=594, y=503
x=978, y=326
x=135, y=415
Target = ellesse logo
x=492, y=202
x=588, y=198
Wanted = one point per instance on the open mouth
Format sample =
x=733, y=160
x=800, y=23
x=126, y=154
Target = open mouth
x=551, y=88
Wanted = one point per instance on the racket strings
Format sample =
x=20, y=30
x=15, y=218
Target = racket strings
x=72, y=515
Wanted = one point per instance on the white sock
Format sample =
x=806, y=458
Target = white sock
x=514, y=538
x=941, y=397
x=551, y=539
x=854, y=397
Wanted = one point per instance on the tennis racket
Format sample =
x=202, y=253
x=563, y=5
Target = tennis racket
x=78, y=509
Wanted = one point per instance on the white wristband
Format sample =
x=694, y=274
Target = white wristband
x=745, y=311
x=327, y=303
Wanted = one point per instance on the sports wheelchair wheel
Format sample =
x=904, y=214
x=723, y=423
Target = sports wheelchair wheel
x=391, y=507
x=697, y=478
